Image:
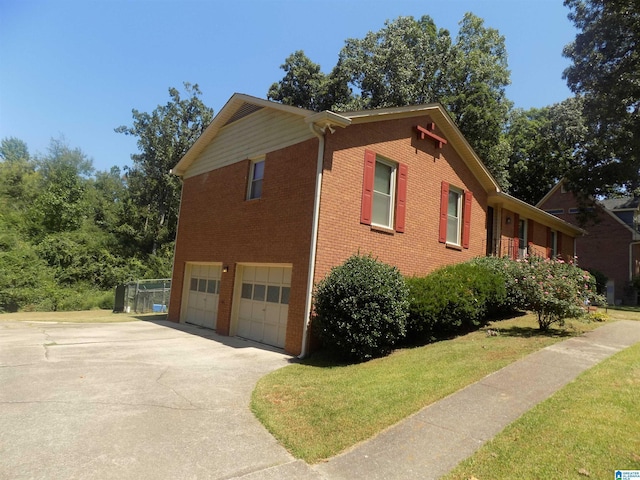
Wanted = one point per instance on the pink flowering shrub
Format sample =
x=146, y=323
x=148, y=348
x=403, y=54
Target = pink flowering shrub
x=553, y=289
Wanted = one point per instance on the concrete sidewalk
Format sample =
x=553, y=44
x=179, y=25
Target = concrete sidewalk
x=430, y=443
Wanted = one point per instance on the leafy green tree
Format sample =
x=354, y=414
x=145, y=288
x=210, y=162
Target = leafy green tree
x=543, y=143
x=411, y=62
x=477, y=100
x=164, y=136
x=605, y=71
x=404, y=63
x=17, y=173
x=61, y=203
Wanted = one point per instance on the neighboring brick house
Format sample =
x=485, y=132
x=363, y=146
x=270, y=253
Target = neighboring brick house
x=274, y=196
x=612, y=241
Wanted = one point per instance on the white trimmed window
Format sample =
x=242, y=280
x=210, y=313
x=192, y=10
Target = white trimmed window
x=454, y=216
x=554, y=244
x=255, y=179
x=384, y=194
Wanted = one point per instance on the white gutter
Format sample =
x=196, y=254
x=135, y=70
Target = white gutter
x=318, y=124
x=318, y=132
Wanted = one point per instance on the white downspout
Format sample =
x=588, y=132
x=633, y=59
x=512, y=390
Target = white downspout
x=314, y=236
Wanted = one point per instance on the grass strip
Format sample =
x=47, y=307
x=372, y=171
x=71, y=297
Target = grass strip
x=587, y=429
x=317, y=409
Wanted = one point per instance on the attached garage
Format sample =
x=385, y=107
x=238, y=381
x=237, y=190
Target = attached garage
x=263, y=304
x=202, y=294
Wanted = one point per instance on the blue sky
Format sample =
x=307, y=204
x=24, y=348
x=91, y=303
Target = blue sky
x=78, y=67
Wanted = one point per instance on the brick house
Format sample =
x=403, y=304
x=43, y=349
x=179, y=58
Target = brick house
x=274, y=196
x=612, y=241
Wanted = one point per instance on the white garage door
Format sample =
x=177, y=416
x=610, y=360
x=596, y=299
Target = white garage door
x=264, y=304
x=204, y=291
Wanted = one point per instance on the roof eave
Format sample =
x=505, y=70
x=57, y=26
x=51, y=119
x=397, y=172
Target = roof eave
x=445, y=123
x=228, y=110
x=535, y=213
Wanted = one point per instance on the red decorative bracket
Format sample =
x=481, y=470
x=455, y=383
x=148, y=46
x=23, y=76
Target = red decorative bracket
x=428, y=132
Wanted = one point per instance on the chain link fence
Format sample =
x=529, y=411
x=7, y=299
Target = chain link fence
x=143, y=296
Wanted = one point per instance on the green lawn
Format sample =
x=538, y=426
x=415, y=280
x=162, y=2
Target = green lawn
x=85, y=316
x=590, y=428
x=318, y=409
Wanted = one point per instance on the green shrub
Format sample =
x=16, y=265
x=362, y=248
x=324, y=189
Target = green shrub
x=361, y=308
x=512, y=300
x=454, y=299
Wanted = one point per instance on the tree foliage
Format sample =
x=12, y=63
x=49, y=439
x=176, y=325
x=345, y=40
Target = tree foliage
x=410, y=61
x=543, y=143
x=164, y=136
x=605, y=71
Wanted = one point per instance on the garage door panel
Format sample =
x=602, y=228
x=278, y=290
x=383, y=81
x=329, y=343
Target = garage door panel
x=262, y=274
x=263, y=309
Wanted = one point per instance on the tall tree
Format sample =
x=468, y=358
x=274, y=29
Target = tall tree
x=410, y=62
x=477, y=100
x=543, y=144
x=605, y=70
x=61, y=202
x=17, y=171
x=404, y=63
x=164, y=136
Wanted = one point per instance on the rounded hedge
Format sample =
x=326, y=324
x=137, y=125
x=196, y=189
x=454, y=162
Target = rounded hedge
x=454, y=299
x=361, y=308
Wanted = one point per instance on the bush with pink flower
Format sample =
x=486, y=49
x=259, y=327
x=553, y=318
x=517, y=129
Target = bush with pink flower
x=553, y=289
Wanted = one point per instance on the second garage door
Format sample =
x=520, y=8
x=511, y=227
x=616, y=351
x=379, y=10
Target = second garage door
x=204, y=292
x=264, y=304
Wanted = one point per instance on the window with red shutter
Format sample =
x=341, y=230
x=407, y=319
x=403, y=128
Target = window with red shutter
x=384, y=193
x=444, y=208
x=401, y=203
x=367, y=187
x=466, y=218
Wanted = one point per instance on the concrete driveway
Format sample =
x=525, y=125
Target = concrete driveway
x=135, y=400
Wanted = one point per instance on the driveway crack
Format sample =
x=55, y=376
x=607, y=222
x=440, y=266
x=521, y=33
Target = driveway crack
x=159, y=382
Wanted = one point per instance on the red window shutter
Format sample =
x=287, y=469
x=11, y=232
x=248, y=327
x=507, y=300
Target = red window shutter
x=444, y=207
x=367, y=186
x=549, y=246
x=401, y=201
x=466, y=218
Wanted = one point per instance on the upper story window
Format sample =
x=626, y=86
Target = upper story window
x=383, y=194
x=255, y=179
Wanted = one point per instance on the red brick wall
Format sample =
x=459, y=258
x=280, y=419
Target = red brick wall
x=218, y=224
x=417, y=250
x=606, y=245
